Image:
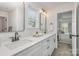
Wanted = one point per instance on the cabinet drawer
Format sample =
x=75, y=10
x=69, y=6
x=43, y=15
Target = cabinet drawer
x=28, y=50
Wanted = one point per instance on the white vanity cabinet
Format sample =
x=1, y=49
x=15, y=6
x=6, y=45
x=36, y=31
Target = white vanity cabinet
x=42, y=48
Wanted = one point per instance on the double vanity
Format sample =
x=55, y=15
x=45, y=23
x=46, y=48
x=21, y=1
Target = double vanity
x=30, y=46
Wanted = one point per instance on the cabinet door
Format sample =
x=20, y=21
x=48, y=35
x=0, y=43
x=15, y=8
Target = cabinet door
x=51, y=45
x=45, y=47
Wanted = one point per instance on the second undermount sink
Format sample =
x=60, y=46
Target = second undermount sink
x=17, y=44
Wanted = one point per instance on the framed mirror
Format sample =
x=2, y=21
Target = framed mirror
x=43, y=22
x=11, y=16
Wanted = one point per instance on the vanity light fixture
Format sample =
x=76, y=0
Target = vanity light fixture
x=43, y=11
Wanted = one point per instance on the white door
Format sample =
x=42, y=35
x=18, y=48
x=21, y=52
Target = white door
x=76, y=37
x=74, y=29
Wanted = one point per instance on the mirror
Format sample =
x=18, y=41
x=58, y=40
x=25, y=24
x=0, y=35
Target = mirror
x=43, y=21
x=33, y=18
x=11, y=16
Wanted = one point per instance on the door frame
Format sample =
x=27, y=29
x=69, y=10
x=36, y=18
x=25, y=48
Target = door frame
x=73, y=27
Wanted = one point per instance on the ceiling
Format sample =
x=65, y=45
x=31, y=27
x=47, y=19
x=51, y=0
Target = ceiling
x=7, y=6
x=51, y=5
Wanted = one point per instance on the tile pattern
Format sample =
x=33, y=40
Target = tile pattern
x=63, y=50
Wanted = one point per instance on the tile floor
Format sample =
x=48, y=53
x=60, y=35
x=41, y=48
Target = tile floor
x=63, y=50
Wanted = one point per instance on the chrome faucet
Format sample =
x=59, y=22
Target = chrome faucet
x=16, y=37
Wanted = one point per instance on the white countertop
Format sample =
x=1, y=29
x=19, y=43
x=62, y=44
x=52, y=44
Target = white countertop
x=4, y=51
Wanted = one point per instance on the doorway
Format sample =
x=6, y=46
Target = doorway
x=64, y=31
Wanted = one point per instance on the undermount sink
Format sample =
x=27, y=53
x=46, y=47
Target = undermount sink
x=17, y=44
